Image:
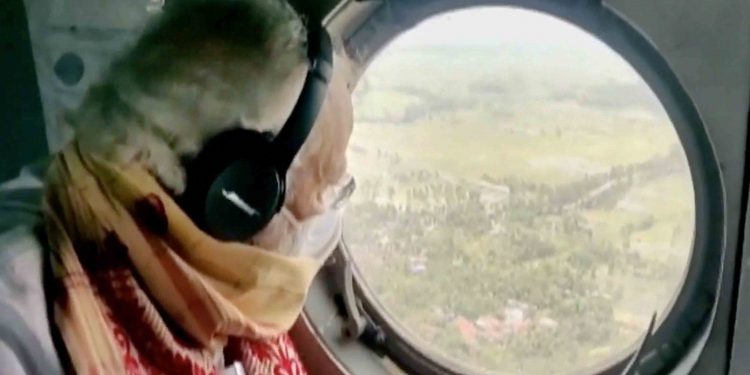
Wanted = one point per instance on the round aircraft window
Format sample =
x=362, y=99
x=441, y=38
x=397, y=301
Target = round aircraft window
x=524, y=204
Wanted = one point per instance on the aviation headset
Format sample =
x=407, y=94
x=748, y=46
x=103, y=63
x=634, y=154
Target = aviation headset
x=236, y=183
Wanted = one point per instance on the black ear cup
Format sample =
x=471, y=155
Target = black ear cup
x=233, y=189
x=242, y=200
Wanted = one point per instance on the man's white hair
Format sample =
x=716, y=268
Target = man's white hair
x=202, y=67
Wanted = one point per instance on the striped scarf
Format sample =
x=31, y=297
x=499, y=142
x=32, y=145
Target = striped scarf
x=142, y=290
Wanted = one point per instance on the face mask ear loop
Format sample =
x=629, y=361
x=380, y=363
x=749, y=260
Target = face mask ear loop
x=289, y=216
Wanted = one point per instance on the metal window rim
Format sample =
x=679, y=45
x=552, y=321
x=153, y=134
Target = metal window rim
x=691, y=312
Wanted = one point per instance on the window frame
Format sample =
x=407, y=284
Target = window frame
x=692, y=310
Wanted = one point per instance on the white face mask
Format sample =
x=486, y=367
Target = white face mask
x=314, y=237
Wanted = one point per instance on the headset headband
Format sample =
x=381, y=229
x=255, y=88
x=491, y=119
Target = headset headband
x=297, y=128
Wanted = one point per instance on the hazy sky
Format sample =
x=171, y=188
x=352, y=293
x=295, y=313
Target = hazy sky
x=497, y=25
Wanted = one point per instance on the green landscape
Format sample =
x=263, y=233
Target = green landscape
x=519, y=210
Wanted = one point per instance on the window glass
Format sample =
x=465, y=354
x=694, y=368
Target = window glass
x=524, y=204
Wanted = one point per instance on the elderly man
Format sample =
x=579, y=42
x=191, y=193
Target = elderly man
x=114, y=273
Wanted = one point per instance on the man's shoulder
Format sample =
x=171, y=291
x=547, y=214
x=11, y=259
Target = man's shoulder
x=21, y=244
x=24, y=327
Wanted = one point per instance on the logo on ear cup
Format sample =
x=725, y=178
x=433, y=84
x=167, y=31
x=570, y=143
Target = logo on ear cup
x=242, y=199
x=237, y=201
